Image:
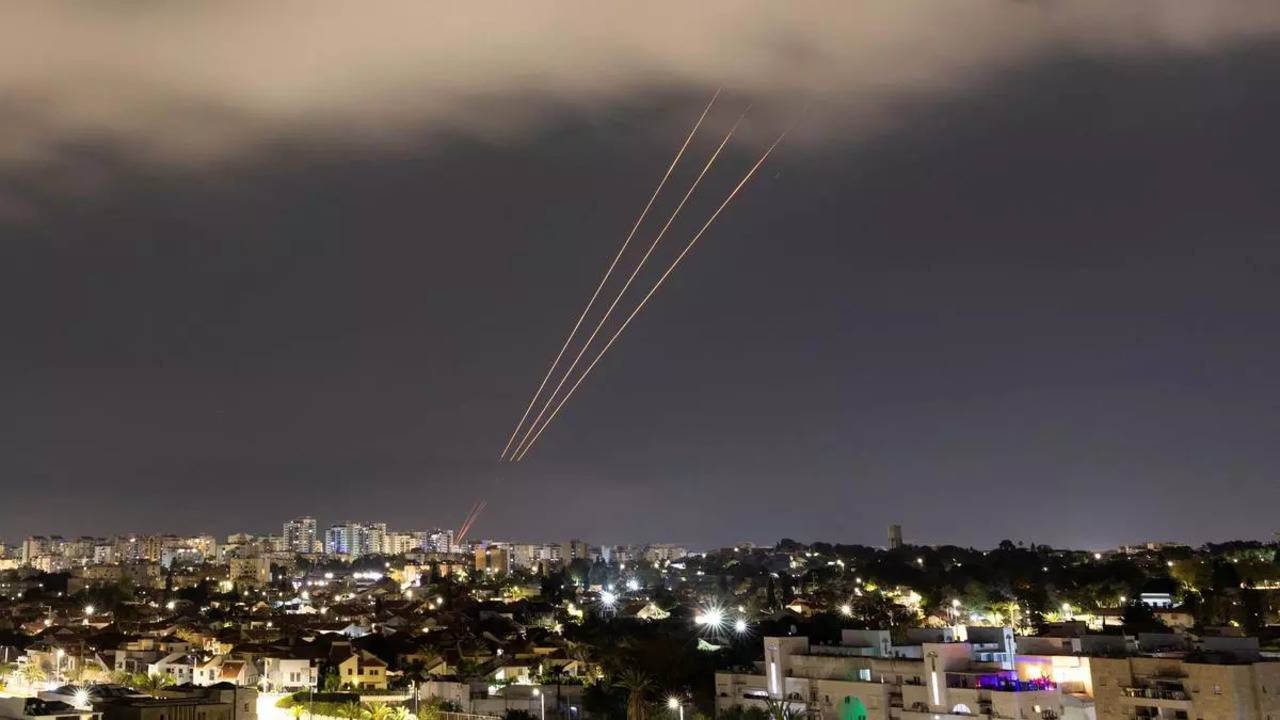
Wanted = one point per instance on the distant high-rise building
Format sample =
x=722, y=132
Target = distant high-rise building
x=440, y=541
x=375, y=539
x=299, y=534
x=493, y=558
x=895, y=537
x=578, y=550
x=347, y=538
x=659, y=552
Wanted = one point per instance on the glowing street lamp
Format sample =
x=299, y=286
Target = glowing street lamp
x=846, y=610
x=542, y=702
x=674, y=703
x=740, y=626
x=713, y=618
x=608, y=599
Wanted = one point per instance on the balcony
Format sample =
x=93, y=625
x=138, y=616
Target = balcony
x=1148, y=701
x=1006, y=681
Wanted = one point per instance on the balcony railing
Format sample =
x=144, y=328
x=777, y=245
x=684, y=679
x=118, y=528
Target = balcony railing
x=1150, y=693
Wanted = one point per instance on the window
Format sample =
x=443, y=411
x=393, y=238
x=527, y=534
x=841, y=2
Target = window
x=1217, y=690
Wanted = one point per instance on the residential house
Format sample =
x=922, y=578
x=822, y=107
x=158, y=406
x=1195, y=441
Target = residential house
x=223, y=669
x=357, y=669
x=289, y=671
x=179, y=665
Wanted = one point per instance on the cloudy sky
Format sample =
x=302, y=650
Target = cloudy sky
x=1014, y=274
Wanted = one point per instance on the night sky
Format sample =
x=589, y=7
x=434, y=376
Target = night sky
x=1024, y=284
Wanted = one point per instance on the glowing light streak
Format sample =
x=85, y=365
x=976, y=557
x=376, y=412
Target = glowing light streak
x=729, y=198
x=555, y=363
x=627, y=285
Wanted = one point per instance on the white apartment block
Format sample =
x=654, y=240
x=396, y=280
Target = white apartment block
x=992, y=675
x=867, y=677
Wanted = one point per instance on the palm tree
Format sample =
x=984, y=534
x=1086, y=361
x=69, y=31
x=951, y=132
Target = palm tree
x=296, y=711
x=33, y=673
x=638, y=685
x=377, y=711
x=331, y=682
x=467, y=669
x=399, y=712
x=151, y=682
x=779, y=709
x=416, y=670
x=351, y=710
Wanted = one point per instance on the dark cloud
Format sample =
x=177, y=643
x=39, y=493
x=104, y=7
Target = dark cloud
x=193, y=82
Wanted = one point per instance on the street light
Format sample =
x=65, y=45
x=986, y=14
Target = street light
x=58, y=670
x=542, y=702
x=674, y=703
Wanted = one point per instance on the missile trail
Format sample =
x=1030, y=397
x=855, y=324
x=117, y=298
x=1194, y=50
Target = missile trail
x=652, y=290
x=604, y=318
x=608, y=272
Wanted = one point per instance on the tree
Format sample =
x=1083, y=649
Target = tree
x=351, y=710
x=331, y=682
x=779, y=709
x=151, y=682
x=416, y=670
x=638, y=686
x=468, y=669
x=377, y=711
x=33, y=674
